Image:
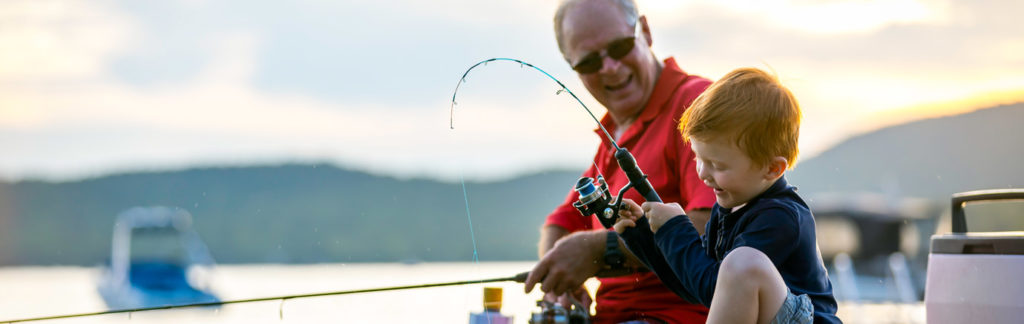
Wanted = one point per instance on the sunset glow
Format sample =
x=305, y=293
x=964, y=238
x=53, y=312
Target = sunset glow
x=109, y=87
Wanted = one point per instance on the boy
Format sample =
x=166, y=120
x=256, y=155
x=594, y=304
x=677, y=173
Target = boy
x=758, y=258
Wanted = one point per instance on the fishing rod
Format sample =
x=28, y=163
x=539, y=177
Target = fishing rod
x=594, y=197
x=520, y=278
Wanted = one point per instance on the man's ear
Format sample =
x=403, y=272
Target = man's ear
x=645, y=30
x=776, y=167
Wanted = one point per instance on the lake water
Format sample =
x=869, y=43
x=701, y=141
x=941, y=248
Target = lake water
x=45, y=291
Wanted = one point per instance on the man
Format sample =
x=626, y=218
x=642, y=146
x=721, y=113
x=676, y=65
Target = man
x=609, y=45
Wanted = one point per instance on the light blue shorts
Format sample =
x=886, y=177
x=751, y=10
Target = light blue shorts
x=796, y=309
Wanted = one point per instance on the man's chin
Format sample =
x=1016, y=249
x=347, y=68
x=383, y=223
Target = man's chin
x=624, y=105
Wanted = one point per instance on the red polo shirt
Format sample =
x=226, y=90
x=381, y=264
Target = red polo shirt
x=669, y=163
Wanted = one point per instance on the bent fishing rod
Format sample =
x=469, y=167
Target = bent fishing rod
x=594, y=197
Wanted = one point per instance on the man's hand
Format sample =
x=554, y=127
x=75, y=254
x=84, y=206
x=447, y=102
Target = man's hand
x=569, y=263
x=659, y=213
x=581, y=294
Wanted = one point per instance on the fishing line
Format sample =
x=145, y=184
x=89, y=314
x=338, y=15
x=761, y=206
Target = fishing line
x=451, y=116
x=465, y=196
x=451, y=125
x=605, y=208
x=520, y=278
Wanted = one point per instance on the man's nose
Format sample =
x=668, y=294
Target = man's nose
x=608, y=64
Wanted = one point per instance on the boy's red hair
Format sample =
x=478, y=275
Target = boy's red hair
x=752, y=108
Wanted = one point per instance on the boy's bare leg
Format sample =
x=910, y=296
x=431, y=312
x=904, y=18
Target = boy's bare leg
x=749, y=289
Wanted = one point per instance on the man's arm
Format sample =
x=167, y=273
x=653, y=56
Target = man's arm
x=569, y=259
x=549, y=234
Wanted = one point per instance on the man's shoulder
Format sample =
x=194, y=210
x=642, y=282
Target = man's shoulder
x=693, y=82
x=687, y=91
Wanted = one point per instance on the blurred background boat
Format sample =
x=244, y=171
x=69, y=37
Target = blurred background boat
x=156, y=259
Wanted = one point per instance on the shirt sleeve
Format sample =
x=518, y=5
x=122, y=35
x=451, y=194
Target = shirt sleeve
x=771, y=231
x=681, y=246
x=566, y=216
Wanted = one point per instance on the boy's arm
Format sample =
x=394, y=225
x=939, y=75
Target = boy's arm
x=772, y=231
x=680, y=245
x=640, y=241
x=634, y=229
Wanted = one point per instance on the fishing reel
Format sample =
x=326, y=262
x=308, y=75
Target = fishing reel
x=595, y=199
x=554, y=313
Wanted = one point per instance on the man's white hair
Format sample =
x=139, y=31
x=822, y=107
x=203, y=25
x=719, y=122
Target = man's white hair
x=628, y=8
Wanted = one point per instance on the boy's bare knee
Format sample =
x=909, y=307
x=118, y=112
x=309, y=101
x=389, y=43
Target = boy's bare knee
x=748, y=263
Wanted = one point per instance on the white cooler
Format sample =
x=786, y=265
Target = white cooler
x=976, y=277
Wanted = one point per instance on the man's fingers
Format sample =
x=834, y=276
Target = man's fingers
x=569, y=287
x=564, y=300
x=559, y=287
x=547, y=284
x=539, y=272
x=557, y=284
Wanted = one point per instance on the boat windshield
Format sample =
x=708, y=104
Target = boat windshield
x=162, y=245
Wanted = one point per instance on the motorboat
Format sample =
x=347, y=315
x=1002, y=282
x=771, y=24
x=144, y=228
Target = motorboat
x=156, y=259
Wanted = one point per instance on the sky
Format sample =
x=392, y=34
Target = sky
x=89, y=88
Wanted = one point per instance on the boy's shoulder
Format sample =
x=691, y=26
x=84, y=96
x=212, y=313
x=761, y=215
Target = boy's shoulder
x=782, y=200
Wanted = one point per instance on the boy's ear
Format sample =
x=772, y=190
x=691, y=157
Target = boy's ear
x=776, y=167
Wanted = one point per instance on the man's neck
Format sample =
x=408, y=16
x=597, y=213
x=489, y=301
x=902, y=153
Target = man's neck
x=622, y=126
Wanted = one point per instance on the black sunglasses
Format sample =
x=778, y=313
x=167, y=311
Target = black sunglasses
x=616, y=50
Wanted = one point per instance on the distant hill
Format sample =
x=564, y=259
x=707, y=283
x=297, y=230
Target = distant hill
x=290, y=213
x=931, y=158
x=321, y=213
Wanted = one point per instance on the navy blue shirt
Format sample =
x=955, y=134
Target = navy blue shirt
x=777, y=222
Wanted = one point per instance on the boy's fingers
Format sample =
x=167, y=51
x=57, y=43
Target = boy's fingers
x=632, y=206
x=623, y=224
x=646, y=207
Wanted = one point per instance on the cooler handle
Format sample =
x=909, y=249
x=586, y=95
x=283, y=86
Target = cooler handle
x=959, y=199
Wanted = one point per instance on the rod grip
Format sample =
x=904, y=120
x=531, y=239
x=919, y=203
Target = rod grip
x=639, y=180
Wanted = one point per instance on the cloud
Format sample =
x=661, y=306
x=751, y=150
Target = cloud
x=939, y=51
x=57, y=41
x=95, y=87
x=345, y=52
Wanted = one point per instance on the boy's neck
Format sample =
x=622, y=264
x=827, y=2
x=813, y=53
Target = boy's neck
x=765, y=186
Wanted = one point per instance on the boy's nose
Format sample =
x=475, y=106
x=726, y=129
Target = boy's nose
x=703, y=173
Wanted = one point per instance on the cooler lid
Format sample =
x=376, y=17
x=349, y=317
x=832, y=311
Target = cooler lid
x=979, y=243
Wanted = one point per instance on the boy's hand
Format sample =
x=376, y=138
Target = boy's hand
x=629, y=214
x=659, y=213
